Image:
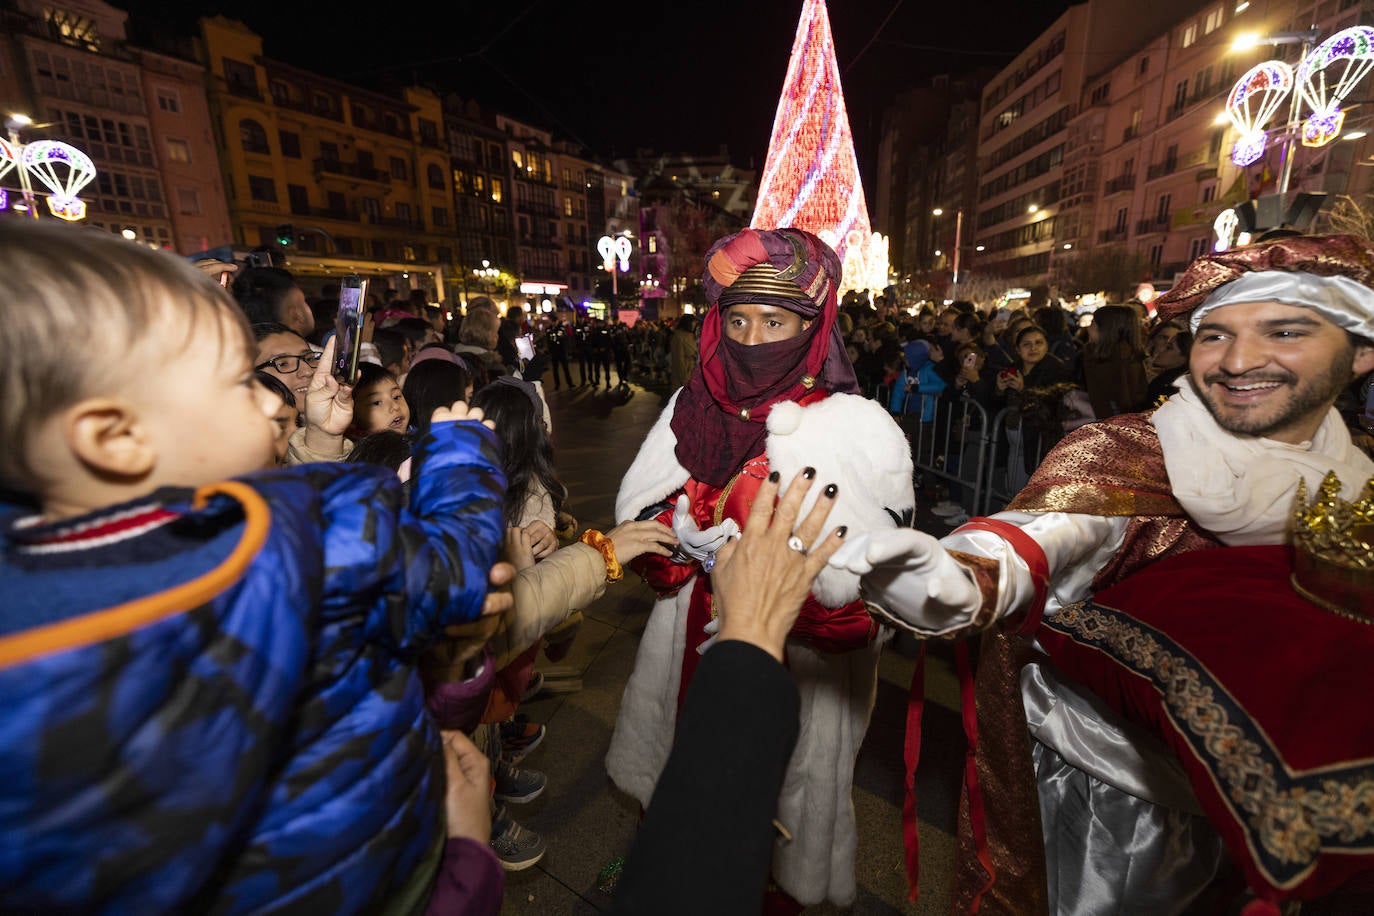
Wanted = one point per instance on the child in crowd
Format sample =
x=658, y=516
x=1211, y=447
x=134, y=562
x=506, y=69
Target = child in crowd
x=209, y=679
x=285, y=418
x=377, y=403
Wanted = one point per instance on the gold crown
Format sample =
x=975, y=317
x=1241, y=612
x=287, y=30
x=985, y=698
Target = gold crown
x=1333, y=565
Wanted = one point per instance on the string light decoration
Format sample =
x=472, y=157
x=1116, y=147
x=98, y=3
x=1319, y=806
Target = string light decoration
x=811, y=177
x=1253, y=101
x=1323, y=89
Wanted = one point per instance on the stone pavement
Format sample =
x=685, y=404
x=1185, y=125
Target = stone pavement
x=586, y=822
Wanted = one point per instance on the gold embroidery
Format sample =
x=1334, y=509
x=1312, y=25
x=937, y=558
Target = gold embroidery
x=1290, y=822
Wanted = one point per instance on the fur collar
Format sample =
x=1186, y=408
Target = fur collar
x=850, y=440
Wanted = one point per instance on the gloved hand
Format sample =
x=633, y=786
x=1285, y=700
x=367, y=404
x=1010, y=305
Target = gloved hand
x=695, y=544
x=712, y=630
x=907, y=573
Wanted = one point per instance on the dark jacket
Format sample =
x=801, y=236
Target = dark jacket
x=222, y=713
x=707, y=837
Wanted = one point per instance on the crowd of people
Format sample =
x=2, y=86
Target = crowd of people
x=268, y=630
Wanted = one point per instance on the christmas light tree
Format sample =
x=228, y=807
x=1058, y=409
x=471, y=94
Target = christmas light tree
x=811, y=178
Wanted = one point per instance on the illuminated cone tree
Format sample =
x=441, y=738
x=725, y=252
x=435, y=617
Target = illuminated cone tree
x=811, y=178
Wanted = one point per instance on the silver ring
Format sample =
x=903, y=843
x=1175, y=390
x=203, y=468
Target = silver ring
x=796, y=544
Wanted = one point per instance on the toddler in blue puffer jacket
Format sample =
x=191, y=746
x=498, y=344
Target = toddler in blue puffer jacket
x=207, y=671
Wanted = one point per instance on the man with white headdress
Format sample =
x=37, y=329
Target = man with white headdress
x=1281, y=329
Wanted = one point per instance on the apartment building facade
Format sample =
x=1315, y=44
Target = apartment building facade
x=138, y=114
x=1155, y=126
x=362, y=178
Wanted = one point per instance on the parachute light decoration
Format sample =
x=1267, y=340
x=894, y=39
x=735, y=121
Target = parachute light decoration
x=1253, y=101
x=64, y=170
x=1327, y=76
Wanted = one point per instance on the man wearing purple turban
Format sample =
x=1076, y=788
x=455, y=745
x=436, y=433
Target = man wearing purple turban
x=773, y=392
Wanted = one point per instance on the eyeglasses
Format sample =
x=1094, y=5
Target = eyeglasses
x=289, y=364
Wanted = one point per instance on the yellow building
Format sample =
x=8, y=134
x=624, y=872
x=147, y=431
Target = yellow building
x=359, y=181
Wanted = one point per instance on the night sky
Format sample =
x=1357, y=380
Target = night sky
x=615, y=77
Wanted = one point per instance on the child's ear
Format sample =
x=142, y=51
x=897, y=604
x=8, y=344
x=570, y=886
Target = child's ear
x=106, y=435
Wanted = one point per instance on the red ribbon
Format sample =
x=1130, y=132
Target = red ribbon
x=912, y=755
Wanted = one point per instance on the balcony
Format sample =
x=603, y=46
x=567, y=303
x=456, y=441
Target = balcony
x=343, y=214
x=350, y=170
x=1153, y=224
x=243, y=90
x=1120, y=183
x=1160, y=169
x=396, y=222
x=1175, y=112
x=538, y=209
x=1111, y=235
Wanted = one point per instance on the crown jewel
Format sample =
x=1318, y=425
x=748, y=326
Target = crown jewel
x=1334, y=540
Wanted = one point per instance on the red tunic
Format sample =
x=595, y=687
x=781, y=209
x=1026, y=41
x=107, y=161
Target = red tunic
x=825, y=629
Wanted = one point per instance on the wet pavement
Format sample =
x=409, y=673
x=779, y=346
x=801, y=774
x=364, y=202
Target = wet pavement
x=586, y=822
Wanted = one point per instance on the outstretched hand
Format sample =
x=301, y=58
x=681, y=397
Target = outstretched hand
x=467, y=800
x=634, y=539
x=761, y=579
x=328, y=403
x=460, y=411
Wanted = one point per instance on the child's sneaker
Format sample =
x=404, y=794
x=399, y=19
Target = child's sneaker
x=519, y=736
x=533, y=688
x=516, y=847
x=518, y=786
x=947, y=507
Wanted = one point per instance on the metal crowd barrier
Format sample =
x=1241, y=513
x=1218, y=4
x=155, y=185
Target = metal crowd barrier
x=980, y=458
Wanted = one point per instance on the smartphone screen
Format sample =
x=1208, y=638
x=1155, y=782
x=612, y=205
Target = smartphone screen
x=348, y=328
x=524, y=346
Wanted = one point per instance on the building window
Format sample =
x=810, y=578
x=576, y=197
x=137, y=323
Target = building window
x=1212, y=22
x=429, y=131
x=1197, y=248
x=398, y=168
x=73, y=30
x=178, y=150
x=403, y=212
x=439, y=215
x=479, y=184
x=1144, y=66
x=1122, y=215
x=1209, y=192
x=299, y=198
x=253, y=137
x=1162, y=207
x=241, y=77
x=188, y=201
x=1156, y=255
x=329, y=151
x=322, y=104
x=1190, y=35
x=260, y=188
x=497, y=190
x=517, y=159
x=436, y=176
x=290, y=144
x=169, y=101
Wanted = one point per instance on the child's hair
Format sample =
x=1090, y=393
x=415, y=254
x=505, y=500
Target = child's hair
x=80, y=310
x=1118, y=334
x=276, y=386
x=431, y=384
x=477, y=327
x=370, y=374
x=527, y=454
x=390, y=344
x=387, y=448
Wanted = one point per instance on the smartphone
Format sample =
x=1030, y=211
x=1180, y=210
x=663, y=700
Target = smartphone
x=348, y=328
x=524, y=346
x=970, y=360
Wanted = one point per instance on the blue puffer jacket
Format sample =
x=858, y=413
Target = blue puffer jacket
x=221, y=713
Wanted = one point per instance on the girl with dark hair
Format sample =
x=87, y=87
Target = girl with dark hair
x=1113, y=366
x=434, y=383
x=1054, y=321
x=1170, y=346
x=533, y=490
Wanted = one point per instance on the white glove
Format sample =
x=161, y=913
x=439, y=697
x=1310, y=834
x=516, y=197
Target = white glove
x=696, y=544
x=712, y=630
x=909, y=574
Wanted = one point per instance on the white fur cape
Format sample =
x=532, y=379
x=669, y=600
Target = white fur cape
x=854, y=443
